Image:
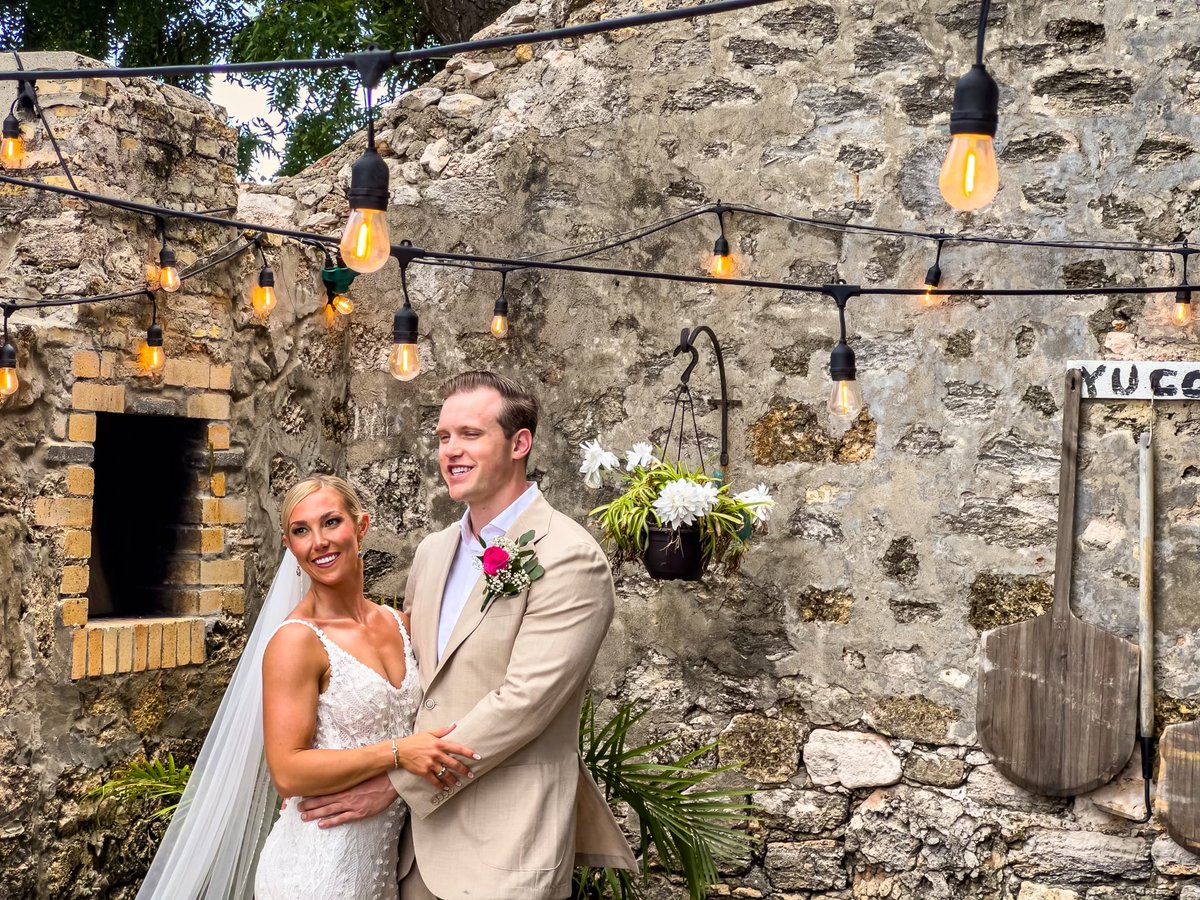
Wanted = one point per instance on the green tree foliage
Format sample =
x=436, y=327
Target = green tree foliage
x=319, y=110
x=322, y=109
x=129, y=32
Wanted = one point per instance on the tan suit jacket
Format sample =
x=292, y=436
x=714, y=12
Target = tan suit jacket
x=512, y=678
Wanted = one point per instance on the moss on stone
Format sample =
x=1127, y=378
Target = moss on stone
x=817, y=605
x=915, y=718
x=1004, y=599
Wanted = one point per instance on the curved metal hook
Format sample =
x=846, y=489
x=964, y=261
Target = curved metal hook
x=687, y=341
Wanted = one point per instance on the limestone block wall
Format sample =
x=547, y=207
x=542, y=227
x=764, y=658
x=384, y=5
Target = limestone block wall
x=83, y=692
x=840, y=664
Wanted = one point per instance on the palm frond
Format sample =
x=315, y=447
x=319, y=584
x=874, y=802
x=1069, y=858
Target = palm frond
x=688, y=827
x=146, y=780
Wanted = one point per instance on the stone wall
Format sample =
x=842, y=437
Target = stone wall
x=839, y=665
x=83, y=694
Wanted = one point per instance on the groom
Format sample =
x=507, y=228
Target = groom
x=510, y=676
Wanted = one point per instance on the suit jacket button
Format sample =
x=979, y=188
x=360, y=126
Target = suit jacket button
x=430, y=703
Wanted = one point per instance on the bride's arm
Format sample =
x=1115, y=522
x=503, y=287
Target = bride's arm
x=292, y=669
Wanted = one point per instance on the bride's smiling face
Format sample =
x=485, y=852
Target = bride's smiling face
x=324, y=537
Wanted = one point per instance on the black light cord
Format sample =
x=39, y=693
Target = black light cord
x=51, y=302
x=417, y=254
x=984, y=8
x=387, y=58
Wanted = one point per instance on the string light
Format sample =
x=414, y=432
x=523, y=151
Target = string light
x=337, y=278
x=9, y=380
x=151, y=356
x=405, y=359
x=262, y=295
x=1183, y=312
x=933, y=279
x=721, y=263
x=969, y=178
x=845, y=399
x=12, y=143
x=365, y=245
x=168, y=271
x=500, y=310
x=12, y=146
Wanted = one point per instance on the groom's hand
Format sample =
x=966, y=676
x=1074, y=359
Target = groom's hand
x=362, y=801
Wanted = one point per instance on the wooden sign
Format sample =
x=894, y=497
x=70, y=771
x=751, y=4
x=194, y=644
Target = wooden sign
x=1122, y=379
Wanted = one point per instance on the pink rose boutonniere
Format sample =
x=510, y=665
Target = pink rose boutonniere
x=509, y=567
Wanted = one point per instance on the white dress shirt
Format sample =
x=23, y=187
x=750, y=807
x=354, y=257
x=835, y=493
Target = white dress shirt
x=464, y=573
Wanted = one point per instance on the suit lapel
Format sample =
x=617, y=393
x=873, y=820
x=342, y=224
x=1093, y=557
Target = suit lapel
x=536, y=519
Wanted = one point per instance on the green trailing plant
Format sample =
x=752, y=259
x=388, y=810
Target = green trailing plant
x=146, y=780
x=688, y=826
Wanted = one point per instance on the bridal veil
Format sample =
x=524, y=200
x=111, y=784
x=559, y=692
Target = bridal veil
x=211, y=846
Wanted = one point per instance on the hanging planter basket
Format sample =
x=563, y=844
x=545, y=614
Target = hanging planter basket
x=675, y=555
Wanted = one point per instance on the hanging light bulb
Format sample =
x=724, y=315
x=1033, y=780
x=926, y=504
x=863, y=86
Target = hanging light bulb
x=12, y=145
x=933, y=280
x=500, y=317
x=405, y=359
x=330, y=314
x=153, y=359
x=168, y=272
x=969, y=178
x=9, y=381
x=499, y=324
x=721, y=264
x=845, y=399
x=365, y=245
x=343, y=304
x=262, y=297
x=1183, y=313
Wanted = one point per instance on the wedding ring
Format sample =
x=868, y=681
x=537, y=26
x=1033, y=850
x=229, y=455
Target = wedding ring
x=441, y=772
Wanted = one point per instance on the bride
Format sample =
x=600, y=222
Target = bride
x=333, y=705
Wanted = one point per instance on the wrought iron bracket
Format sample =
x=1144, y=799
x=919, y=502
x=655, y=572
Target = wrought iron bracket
x=687, y=343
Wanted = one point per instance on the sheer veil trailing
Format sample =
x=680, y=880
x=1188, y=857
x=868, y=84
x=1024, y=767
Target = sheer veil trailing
x=212, y=844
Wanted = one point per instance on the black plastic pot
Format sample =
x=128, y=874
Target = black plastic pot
x=675, y=555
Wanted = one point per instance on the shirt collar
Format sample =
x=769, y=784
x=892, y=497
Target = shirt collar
x=500, y=525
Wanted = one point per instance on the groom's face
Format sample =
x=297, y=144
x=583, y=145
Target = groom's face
x=476, y=459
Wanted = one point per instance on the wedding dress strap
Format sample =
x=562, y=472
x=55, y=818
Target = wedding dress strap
x=408, y=651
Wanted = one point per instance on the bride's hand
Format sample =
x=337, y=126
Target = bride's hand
x=427, y=755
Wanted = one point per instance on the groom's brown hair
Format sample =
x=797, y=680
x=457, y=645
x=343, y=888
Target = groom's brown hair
x=519, y=409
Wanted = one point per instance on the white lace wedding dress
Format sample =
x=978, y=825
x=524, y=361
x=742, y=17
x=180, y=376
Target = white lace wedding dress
x=356, y=861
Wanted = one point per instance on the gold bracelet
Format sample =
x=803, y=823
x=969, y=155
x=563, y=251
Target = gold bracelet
x=395, y=755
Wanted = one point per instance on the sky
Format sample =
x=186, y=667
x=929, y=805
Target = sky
x=244, y=104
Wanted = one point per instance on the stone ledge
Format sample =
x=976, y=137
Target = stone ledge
x=118, y=646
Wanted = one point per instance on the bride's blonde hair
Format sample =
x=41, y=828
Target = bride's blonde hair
x=311, y=485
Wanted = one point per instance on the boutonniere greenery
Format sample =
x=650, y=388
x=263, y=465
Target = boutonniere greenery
x=509, y=567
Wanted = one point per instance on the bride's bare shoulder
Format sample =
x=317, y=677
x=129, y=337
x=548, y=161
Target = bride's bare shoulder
x=294, y=647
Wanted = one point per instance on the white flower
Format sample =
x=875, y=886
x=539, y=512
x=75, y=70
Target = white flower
x=640, y=454
x=682, y=502
x=760, y=499
x=595, y=458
